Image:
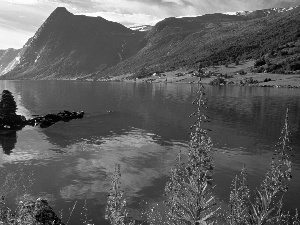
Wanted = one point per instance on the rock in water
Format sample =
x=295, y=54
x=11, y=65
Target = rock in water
x=11, y=122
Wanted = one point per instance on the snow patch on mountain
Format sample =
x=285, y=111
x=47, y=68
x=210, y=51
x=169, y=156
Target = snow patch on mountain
x=266, y=11
x=141, y=27
x=238, y=13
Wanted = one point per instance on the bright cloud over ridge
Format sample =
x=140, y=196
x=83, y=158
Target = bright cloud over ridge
x=19, y=19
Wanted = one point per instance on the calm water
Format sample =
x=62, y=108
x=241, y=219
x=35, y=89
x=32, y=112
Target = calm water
x=146, y=127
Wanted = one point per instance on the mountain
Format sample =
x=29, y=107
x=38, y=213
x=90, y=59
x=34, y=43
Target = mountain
x=212, y=39
x=68, y=46
x=261, y=13
x=6, y=57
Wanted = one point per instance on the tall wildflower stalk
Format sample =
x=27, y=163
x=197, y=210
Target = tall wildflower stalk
x=116, y=204
x=267, y=208
x=267, y=205
x=239, y=197
x=189, y=197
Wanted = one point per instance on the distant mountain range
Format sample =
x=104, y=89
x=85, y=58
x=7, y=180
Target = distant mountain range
x=71, y=46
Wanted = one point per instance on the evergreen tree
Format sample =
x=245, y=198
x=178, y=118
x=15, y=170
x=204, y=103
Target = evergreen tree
x=8, y=106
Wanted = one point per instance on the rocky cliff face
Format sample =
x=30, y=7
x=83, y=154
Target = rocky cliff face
x=67, y=46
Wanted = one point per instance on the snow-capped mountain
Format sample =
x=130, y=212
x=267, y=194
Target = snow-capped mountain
x=260, y=13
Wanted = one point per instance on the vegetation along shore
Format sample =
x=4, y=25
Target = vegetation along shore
x=242, y=74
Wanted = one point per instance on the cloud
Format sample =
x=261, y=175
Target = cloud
x=127, y=19
x=26, y=16
x=160, y=9
x=16, y=38
x=23, y=2
x=178, y=2
x=77, y=5
x=139, y=156
x=19, y=21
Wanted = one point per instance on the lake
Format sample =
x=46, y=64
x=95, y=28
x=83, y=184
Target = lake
x=141, y=127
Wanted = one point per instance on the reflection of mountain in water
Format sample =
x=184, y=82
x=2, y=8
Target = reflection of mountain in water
x=8, y=142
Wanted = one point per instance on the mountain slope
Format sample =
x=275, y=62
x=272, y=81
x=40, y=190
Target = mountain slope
x=211, y=39
x=68, y=46
x=6, y=56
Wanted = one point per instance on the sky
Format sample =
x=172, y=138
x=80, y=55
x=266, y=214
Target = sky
x=20, y=19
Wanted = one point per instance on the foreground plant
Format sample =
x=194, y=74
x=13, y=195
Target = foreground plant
x=189, y=197
x=16, y=186
x=267, y=205
x=116, y=204
x=239, y=197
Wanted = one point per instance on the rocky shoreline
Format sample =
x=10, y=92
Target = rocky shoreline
x=17, y=122
x=11, y=122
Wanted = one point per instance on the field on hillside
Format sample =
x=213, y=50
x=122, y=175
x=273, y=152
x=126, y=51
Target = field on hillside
x=234, y=75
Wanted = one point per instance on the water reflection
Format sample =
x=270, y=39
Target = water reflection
x=142, y=160
x=142, y=127
x=8, y=142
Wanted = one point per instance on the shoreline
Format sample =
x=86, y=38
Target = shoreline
x=276, y=80
x=240, y=75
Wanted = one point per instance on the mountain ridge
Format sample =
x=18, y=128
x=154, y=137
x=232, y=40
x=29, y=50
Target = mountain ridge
x=71, y=46
x=68, y=45
x=214, y=43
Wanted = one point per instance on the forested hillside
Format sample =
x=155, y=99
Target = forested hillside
x=215, y=39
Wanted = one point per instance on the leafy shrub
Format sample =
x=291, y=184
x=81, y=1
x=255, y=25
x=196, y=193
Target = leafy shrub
x=218, y=81
x=259, y=62
x=295, y=66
